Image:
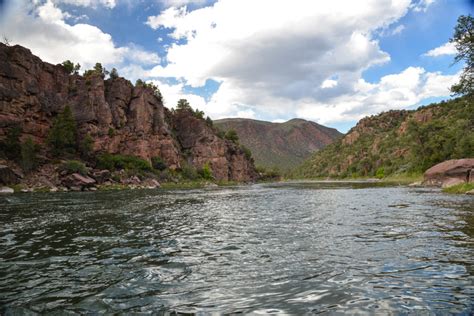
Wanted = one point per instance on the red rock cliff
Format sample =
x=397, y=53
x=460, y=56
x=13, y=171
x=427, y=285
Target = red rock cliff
x=120, y=117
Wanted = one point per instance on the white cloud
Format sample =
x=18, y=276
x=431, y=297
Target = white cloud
x=89, y=3
x=396, y=91
x=422, y=5
x=179, y=3
x=445, y=49
x=328, y=83
x=297, y=59
x=43, y=29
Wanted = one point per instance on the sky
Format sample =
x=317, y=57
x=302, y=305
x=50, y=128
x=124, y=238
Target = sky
x=332, y=62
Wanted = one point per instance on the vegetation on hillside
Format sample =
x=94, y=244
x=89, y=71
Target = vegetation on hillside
x=398, y=142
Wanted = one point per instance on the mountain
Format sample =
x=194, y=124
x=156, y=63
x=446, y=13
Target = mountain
x=398, y=142
x=112, y=116
x=282, y=145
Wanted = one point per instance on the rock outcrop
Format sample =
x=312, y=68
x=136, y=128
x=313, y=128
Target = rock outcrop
x=118, y=116
x=450, y=172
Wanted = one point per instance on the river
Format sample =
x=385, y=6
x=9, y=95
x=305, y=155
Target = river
x=284, y=248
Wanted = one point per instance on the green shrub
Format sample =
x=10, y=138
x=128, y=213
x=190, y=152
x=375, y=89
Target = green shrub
x=86, y=146
x=62, y=135
x=232, y=136
x=29, y=151
x=111, y=132
x=380, y=173
x=209, y=122
x=74, y=166
x=119, y=162
x=11, y=146
x=158, y=163
x=205, y=172
x=189, y=172
x=247, y=152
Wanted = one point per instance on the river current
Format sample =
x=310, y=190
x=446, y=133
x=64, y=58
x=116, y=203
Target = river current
x=286, y=248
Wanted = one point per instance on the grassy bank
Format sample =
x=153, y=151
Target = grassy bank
x=459, y=188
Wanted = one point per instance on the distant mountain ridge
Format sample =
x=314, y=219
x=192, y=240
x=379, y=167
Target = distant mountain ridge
x=283, y=145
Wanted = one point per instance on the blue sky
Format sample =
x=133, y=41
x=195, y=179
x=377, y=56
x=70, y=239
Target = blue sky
x=330, y=62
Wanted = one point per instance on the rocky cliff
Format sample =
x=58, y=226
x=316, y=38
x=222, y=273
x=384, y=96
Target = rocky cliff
x=118, y=116
x=283, y=145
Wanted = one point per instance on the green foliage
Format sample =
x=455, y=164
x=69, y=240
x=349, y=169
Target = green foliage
x=122, y=162
x=86, y=146
x=183, y=105
x=158, y=163
x=463, y=40
x=399, y=142
x=206, y=172
x=73, y=166
x=11, y=146
x=247, y=152
x=232, y=135
x=29, y=151
x=62, y=135
x=269, y=174
x=150, y=85
x=209, y=121
x=98, y=70
x=199, y=114
x=188, y=172
x=69, y=66
x=459, y=188
x=380, y=173
x=111, y=132
x=114, y=74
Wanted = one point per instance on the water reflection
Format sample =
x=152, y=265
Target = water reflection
x=278, y=248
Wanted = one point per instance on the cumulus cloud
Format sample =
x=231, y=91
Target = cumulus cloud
x=179, y=3
x=395, y=91
x=281, y=59
x=43, y=29
x=445, y=49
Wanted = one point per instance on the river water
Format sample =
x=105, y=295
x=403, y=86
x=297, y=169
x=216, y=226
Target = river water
x=288, y=248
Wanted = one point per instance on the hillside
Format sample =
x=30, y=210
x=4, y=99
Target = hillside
x=398, y=142
x=49, y=114
x=282, y=145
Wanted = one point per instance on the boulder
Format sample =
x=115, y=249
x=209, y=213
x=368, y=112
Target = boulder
x=151, y=184
x=450, y=172
x=6, y=190
x=101, y=176
x=8, y=176
x=76, y=180
x=470, y=192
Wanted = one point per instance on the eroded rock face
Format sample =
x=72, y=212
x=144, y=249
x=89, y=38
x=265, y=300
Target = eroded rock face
x=450, y=172
x=201, y=145
x=119, y=117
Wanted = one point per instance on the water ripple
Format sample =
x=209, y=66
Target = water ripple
x=263, y=249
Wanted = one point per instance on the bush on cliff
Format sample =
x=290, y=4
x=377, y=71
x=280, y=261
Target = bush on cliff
x=62, y=135
x=205, y=172
x=73, y=166
x=29, y=151
x=11, y=146
x=158, y=163
x=232, y=136
x=122, y=162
